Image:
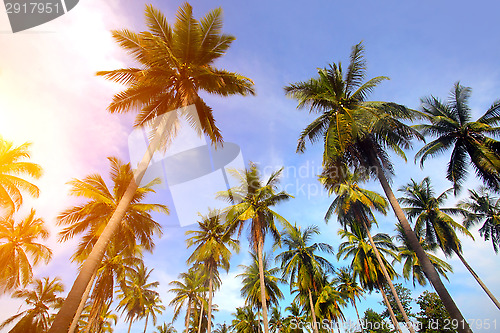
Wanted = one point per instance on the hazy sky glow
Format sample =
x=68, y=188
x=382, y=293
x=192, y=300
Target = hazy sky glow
x=50, y=96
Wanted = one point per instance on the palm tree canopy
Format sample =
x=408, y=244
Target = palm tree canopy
x=189, y=288
x=482, y=207
x=252, y=200
x=424, y=209
x=346, y=283
x=245, y=321
x=175, y=64
x=40, y=299
x=20, y=250
x=450, y=123
x=91, y=217
x=13, y=168
x=364, y=263
x=251, y=283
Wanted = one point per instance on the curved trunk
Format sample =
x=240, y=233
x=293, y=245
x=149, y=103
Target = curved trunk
x=389, y=308
x=65, y=316
x=429, y=269
x=188, y=314
x=409, y=324
x=146, y=325
x=262, y=287
x=210, y=295
x=82, y=305
x=313, y=313
x=486, y=290
x=129, y=325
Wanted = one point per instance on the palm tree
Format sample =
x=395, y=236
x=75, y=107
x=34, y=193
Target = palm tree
x=20, y=250
x=357, y=133
x=297, y=315
x=354, y=205
x=329, y=303
x=12, y=169
x=347, y=285
x=136, y=292
x=213, y=249
x=222, y=328
x=450, y=123
x=166, y=328
x=40, y=300
x=91, y=217
x=173, y=70
x=299, y=263
x=437, y=226
x=482, y=207
x=251, y=283
x=245, y=321
x=411, y=264
x=153, y=307
x=187, y=291
x=103, y=323
x=276, y=321
x=252, y=200
x=364, y=262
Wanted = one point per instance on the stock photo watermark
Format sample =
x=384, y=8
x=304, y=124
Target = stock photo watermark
x=27, y=14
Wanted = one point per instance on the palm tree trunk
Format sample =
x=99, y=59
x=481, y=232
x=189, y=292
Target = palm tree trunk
x=74, y=323
x=201, y=317
x=409, y=324
x=357, y=314
x=210, y=295
x=64, y=317
x=389, y=308
x=486, y=290
x=313, y=313
x=188, y=314
x=146, y=325
x=262, y=286
x=129, y=325
x=429, y=269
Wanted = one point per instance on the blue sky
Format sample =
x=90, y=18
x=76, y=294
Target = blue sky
x=424, y=47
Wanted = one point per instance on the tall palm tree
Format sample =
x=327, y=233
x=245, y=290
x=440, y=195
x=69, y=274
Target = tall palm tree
x=301, y=265
x=153, y=307
x=251, y=283
x=347, y=285
x=450, y=123
x=364, y=262
x=358, y=133
x=411, y=265
x=40, y=300
x=354, y=204
x=13, y=168
x=20, y=250
x=252, y=201
x=437, y=226
x=245, y=321
x=482, y=207
x=213, y=245
x=136, y=292
x=187, y=291
x=176, y=64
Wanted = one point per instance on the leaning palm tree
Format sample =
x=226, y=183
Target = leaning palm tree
x=251, y=283
x=40, y=300
x=450, y=123
x=187, y=291
x=482, y=207
x=354, y=204
x=346, y=283
x=357, y=133
x=20, y=250
x=213, y=245
x=136, y=292
x=253, y=200
x=364, y=262
x=13, y=168
x=301, y=265
x=425, y=209
x=412, y=270
x=176, y=64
